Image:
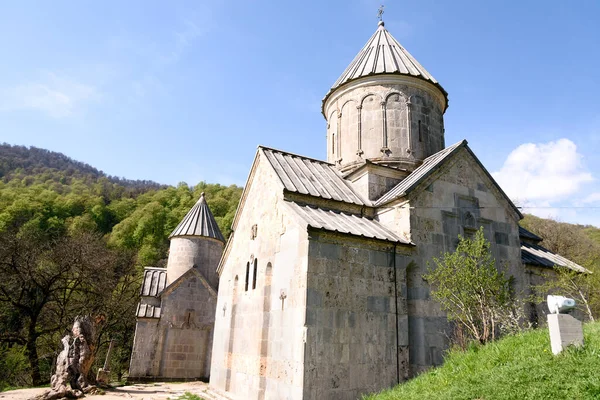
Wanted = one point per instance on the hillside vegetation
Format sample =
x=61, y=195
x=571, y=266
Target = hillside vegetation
x=516, y=367
x=522, y=366
x=75, y=241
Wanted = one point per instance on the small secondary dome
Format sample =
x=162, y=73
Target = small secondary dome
x=199, y=221
x=383, y=54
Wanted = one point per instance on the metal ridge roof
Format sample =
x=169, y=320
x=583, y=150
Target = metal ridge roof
x=147, y=311
x=524, y=233
x=383, y=54
x=199, y=221
x=534, y=254
x=309, y=176
x=430, y=164
x=337, y=221
x=155, y=280
x=423, y=171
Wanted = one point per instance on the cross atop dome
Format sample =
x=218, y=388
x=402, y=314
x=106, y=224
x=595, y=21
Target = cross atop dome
x=380, y=14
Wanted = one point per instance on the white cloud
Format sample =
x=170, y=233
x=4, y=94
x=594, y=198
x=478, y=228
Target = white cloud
x=591, y=198
x=543, y=173
x=53, y=95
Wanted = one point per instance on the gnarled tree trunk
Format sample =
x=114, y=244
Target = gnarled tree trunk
x=74, y=362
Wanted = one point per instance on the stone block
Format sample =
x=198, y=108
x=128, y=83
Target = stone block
x=379, y=258
x=378, y=304
x=417, y=293
x=501, y=238
x=314, y=298
x=311, y=317
x=564, y=331
x=329, y=251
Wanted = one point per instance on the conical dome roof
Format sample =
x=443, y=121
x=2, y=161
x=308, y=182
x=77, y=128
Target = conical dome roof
x=383, y=54
x=199, y=221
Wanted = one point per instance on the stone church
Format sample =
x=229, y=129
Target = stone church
x=321, y=293
x=320, y=289
x=176, y=313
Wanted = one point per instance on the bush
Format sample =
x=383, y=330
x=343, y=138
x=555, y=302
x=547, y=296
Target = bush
x=473, y=292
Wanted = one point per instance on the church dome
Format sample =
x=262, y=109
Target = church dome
x=383, y=54
x=199, y=221
x=384, y=109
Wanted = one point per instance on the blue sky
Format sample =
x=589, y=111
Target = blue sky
x=185, y=91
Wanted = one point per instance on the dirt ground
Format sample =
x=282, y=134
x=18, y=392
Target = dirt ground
x=148, y=391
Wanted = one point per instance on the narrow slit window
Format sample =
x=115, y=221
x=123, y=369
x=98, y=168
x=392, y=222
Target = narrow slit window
x=333, y=143
x=420, y=136
x=254, y=274
x=247, y=276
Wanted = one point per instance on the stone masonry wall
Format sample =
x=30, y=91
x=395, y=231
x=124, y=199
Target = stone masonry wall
x=188, y=314
x=258, y=351
x=356, y=338
x=179, y=344
x=144, y=347
x=382, y=120
x=457, y=199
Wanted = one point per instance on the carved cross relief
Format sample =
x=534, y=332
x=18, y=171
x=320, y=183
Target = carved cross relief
x=282, y=296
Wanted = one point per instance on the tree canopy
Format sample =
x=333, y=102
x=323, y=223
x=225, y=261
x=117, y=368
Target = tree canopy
x=581, y=244
x=75, y=241
x=471, y=289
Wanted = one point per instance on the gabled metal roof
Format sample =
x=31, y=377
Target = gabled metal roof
x=336, y=221
x=155, y=280
x=423, y=171
x=147, y=311
x=534, y=254
x=383, y=54
x=309, y=176
x=430, y=164
x=525, y=234
x=199, y=221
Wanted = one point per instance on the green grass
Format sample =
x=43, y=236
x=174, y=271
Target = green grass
x=516, y=367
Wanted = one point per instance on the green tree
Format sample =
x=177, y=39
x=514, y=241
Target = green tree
x=47, y=281
x=576, y=243
x=583, y=287
x=470, y=289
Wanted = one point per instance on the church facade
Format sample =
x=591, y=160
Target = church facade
x=321, y=294
x=175, y=316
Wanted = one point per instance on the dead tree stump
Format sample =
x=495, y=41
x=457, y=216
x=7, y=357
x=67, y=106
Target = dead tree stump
x=74, y=362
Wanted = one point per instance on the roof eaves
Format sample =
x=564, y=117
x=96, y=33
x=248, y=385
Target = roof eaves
x=430, y=169
x=398, y=241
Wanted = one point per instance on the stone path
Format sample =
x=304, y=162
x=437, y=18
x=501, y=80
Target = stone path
x=149, y=391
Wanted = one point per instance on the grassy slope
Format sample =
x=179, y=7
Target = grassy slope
x=516, y=367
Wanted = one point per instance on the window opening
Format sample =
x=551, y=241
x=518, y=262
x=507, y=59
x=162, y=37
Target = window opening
x=254, y=274
x=333, y=143
x=420, y=137
x=247, y=276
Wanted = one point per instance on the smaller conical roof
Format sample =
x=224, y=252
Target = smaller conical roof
x=199, y=221
x=383, y=54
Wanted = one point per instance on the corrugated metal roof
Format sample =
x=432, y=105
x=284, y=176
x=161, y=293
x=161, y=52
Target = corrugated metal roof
x=147, y=311
x=308, y=176
x=429, y=165
x=351, y=224
x=155, y=280
x=525, y=234
x=534, y=254
x=383, y=54
x=199, y=221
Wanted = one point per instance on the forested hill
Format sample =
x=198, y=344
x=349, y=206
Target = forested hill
x=18, y=162
x=74, y=241
x=580, y=243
